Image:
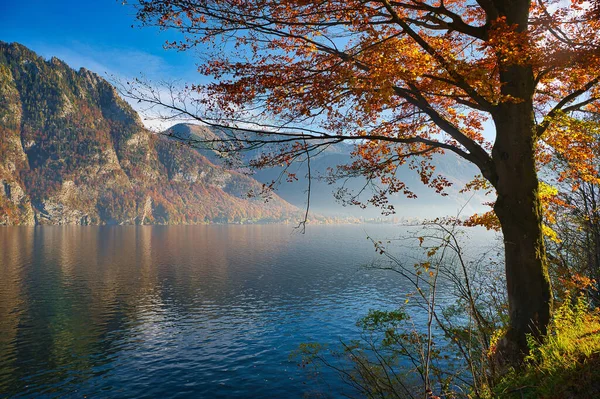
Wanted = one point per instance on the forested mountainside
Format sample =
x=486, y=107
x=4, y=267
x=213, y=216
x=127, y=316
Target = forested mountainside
x=428, y=203
x=73, y=152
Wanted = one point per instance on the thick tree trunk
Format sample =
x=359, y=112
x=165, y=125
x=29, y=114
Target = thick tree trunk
x=518, y=204
x=528, y=285
x=519, y=210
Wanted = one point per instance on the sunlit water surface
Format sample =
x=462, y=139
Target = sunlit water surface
x=195, y=312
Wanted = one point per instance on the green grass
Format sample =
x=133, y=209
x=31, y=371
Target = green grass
x=566, y=365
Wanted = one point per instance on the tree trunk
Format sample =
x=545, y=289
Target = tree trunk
x=528, y=285
x=519, y=210
x=518, y=204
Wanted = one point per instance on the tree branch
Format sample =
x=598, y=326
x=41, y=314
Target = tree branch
x=460, y=81
x=542, y=127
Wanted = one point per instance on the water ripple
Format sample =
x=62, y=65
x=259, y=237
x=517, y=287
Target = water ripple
x=168, y=312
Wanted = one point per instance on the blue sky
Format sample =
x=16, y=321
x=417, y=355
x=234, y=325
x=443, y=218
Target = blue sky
x=97, y=35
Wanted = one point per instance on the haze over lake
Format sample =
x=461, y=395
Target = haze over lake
x=198, y=311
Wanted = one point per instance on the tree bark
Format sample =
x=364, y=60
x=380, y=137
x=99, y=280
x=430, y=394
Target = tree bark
x=528, y=285
x=519, y=210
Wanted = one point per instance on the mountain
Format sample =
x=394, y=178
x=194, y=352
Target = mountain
x=428, y=203
x=73, y=152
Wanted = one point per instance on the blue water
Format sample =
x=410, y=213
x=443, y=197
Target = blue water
x=191, y=312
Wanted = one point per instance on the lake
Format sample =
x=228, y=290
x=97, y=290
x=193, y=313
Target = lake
x=182, y=311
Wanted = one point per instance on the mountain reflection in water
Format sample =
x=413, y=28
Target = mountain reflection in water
x=181, y=311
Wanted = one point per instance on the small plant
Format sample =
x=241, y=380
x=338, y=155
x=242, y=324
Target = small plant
x=566, y=364
x=426, y=348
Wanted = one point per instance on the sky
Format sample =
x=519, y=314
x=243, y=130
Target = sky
x=97, y=35
x=102, y=36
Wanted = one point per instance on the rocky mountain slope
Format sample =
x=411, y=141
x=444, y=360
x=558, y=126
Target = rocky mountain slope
x=73, y=152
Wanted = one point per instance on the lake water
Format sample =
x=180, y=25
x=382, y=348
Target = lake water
x=181, y=311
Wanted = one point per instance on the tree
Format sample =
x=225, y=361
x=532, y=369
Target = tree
x=573, y=214
x=403, y=80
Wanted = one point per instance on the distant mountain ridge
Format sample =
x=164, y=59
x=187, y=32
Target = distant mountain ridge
x=73, y=152
x=428, y=203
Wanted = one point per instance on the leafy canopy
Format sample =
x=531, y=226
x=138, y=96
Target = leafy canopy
x=399, y=78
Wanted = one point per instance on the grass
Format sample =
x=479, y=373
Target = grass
x=566, y=365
